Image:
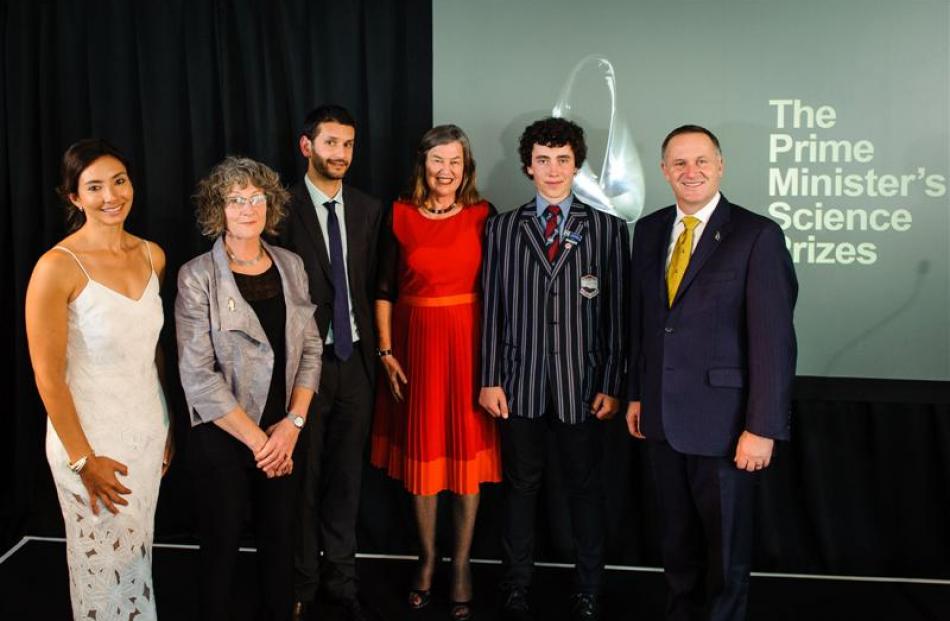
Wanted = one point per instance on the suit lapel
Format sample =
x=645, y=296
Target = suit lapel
x=353, y=217
x=532, y=234
x=576, y=228
x=713, y=234
x=308, y=214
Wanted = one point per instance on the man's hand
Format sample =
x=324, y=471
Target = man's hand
x=633, y=420
x=753, y=452
x=493, y=399
x=604, y=406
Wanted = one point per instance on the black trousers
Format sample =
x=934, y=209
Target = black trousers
x=229, y=487
x=579, y=450
x=337, y=430
x=707, y=508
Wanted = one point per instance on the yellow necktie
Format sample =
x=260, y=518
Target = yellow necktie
x=679, y=260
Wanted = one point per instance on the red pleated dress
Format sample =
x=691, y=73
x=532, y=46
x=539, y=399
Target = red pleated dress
x=437, y=438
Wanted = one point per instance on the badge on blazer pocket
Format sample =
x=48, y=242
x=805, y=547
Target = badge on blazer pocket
x=590, y=286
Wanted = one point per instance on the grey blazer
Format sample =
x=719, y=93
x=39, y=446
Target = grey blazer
x=224, y=357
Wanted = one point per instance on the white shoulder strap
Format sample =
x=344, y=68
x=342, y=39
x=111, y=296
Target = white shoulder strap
x=148, y=249
x=73, y=255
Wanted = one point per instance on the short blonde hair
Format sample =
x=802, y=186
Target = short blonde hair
x=242, y=172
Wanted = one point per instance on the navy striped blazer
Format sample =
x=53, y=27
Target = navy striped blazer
x=544, y=340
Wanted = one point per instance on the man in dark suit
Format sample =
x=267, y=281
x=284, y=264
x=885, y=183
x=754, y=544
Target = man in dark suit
x=552, y=354
x=335, y=229
x=712, y=360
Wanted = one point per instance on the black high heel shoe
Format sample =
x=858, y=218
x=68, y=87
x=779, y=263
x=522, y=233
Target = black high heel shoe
x=420, y=598
x=460, y=611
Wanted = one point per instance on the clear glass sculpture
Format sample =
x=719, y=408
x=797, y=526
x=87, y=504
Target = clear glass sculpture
x=619, y=188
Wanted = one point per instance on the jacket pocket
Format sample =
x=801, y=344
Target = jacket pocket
x=726, y=378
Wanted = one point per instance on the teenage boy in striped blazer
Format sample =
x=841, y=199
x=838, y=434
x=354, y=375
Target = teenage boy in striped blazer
x=553, y=354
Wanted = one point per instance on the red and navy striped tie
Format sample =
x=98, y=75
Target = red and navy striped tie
x=551, y=233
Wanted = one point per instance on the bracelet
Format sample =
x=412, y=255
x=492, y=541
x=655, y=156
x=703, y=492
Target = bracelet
x=382, y=353
x=80, y=463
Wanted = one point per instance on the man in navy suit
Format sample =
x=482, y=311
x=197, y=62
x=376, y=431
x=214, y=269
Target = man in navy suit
x=552, y=354
x=711, y=364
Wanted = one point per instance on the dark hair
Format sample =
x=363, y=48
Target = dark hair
x=689, y=129
x=327, y=113
x=443, y=134
x=77, y=158
x=552, y=132
x=241, y=171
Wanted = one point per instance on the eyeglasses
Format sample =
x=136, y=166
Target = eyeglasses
x=238, y=202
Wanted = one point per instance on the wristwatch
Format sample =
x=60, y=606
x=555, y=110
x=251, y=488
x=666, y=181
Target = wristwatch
x=382, y=353
x=296, y=419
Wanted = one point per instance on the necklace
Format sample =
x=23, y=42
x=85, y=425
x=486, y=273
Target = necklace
x=436, y=212
x=244, y=262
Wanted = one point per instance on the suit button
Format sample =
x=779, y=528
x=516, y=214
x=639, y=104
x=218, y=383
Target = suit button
x=668, y=330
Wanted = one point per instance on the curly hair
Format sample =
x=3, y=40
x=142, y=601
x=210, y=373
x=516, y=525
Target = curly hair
x=552, y=132
x=439, y=135
x=242, y=172
x=77, y=158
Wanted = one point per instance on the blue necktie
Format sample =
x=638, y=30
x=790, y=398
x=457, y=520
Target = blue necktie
x=342, y=335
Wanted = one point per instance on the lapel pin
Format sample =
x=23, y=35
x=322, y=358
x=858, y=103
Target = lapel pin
x=717, y=236
x=231, y=304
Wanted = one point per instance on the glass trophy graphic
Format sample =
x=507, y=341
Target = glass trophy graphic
x=619, y=188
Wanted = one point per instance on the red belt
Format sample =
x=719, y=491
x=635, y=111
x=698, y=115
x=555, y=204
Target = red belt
x=444, y=300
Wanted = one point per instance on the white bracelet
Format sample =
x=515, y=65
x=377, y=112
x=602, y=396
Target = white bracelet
x=80, y=463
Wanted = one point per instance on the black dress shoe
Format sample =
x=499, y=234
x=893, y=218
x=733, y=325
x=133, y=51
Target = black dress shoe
x=584, y=607
x=352, y=609
x=514, y=604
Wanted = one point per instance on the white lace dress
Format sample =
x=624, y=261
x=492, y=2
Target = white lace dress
x=110, y=370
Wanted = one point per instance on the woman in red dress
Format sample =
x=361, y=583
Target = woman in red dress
x=429, y=431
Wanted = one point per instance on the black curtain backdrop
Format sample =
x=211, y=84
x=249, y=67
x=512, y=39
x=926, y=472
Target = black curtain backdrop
x=178, y=85
x=863, y=487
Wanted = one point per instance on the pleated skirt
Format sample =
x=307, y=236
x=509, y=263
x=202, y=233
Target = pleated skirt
x=437, y=438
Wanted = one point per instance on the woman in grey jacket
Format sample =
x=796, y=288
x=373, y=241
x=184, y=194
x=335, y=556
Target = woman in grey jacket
x=249, y=357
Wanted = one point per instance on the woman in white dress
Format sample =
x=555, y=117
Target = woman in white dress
x=93, y=316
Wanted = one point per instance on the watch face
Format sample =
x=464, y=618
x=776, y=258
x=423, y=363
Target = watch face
x=298, y=421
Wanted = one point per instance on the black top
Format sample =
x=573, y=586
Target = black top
x=265, y=294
